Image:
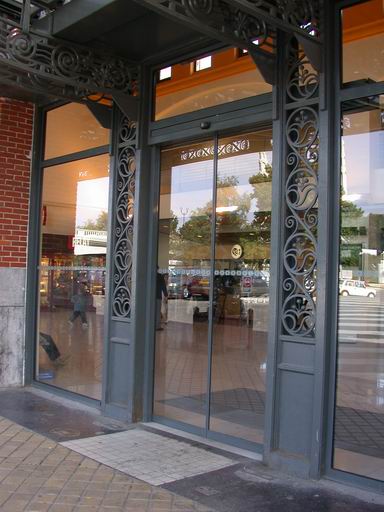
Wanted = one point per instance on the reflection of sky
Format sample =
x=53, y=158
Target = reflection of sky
x=192, y=182
x=364, y=163
x=92, y=199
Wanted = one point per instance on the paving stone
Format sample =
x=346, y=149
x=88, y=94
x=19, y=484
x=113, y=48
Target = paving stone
x=37, y=506
x=39, y=475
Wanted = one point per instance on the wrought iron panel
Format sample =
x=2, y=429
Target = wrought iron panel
x=221, y=21
x=301, y=195
x=60, y=68
x=124, y=219
x=245, y=23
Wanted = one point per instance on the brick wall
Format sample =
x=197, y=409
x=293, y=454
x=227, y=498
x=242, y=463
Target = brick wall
x=16, y=119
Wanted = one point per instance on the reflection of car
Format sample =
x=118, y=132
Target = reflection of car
x=174, y=287
x=196, y=287
x=352, y=287
x=182, y=286
x=255, y=286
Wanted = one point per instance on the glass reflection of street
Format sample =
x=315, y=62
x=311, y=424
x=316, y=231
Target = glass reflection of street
x=359, y=413
x=237, y=273
x=72, y=274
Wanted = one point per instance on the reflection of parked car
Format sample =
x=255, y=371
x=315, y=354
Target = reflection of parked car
x=181, y=286
x=196, y=287
x=255, y=286
x=174, y=286
x=352, y=287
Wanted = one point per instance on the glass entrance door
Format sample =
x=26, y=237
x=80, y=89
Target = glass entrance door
x=212, y=293
x=358, y=442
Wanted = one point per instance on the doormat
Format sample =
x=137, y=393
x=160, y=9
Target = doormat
x=153, y=458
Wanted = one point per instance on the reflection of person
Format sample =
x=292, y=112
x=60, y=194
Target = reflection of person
x=48, y=344
x=161, y=291
x=81, y=301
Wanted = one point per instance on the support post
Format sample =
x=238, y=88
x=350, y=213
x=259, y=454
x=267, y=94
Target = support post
x=295, y=386
x=119, y=350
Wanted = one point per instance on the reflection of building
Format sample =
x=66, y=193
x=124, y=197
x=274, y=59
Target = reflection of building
x=362, y=246
x=88, y=241
x=207, y=120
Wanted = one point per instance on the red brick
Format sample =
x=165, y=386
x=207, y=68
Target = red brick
x=16, y=121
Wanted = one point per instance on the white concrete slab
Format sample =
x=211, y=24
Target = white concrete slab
x=153, y=458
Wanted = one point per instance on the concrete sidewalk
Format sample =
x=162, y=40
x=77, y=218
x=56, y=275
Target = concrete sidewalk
x=38, y=475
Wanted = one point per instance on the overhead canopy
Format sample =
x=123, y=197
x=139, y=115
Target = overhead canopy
x=74, y=49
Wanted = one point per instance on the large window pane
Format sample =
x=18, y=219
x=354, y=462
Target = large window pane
x=359, y=418
x=72, y=275
x=184, y=263
x=72, y=128
x=241, y=285
x=231, y=76
x=226, y=367
x=363, y=42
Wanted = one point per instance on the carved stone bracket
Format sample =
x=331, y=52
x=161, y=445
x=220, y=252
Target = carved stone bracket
x=60, y=69
x=122, y=245
x=301, y=196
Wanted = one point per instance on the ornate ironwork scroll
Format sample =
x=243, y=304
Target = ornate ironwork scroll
x=245, y=23
x=220, y=20
x=301, y=196
x=39, y=63
x=124, y=219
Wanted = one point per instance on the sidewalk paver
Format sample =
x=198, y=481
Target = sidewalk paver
x=40, y=475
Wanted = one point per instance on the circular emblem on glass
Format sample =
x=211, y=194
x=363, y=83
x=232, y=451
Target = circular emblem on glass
x=236, y=252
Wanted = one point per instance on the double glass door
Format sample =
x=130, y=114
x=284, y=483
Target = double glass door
x=212, y=290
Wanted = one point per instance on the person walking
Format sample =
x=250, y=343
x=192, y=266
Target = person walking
x=81, y=301
x=161, y=292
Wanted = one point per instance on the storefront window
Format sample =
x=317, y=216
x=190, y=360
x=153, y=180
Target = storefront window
x=72, y=128
x=225, y=78
x=359, y=414
x=363, y=42
x=74, y=219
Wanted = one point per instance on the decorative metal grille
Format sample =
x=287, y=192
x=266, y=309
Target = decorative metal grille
x=124, y=219
x=245, y=23
x=59, y=68
x=301, y=195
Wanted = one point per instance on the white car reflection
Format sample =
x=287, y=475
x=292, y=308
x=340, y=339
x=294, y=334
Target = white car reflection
x=358, y=288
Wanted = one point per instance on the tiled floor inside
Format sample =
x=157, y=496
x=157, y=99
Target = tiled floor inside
x=153, y=458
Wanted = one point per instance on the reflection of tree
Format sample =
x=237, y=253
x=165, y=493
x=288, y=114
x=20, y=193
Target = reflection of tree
x=262, y=193
x=191, y=239
x=173, y=223
x=350, y=250
x=348, y=208
x=100, y=224
x=261, y=184
x=198, y=227
x=227, y=196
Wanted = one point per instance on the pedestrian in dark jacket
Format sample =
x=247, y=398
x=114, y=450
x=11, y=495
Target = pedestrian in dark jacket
x=161, y=292
x=81, y=300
